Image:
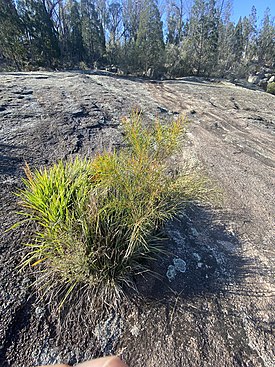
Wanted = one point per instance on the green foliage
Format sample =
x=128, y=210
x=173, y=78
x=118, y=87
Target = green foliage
x=75, y=47
x=92, y=32
x=96, y=221
x=41, y=37
x=202, y=37
x=11, y=32
x=271, y=88
x=141, y=37
x=266, y=40
x=149, y=42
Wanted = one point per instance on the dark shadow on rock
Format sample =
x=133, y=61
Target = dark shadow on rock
x=203, y=258
x=9, y=160
x=21, y=320
x=206, y=259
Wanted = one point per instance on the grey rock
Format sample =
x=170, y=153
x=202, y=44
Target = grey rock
x=253, y=79
x=263, y=83
x=220, y=312
x=260, y=74
x=151, y=73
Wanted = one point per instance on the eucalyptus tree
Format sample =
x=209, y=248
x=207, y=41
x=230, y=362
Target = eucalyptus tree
x=131, y=10
x=115, y=32
x=202, y=37
x=41, y=35
x=176, y=10
x=12, y=34
x=74, y=32
x=266, y=41
x=226, y=32
x=114, y=24
x=92, y=32
x=149, y=42
x=250, y=35
x=238, y=42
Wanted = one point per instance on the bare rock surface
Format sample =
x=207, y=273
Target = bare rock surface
x=214, y=304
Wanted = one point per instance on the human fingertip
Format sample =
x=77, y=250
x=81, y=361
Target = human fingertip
x=112, y=361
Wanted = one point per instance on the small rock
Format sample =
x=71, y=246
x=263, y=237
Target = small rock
x=272, y=79
x=263, y=83
x=113, y=69
x=162, y=110
x=150, y=73
x=260, y=74
x=253, y=79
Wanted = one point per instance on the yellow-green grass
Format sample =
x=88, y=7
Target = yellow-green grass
x=96, y=221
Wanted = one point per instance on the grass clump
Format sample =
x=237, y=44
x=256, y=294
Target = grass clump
x=96, y=220
x=271, y=88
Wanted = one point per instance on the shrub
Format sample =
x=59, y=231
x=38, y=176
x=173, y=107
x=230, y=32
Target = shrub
x=271, y=88
x=97, y=220
x=83, y=66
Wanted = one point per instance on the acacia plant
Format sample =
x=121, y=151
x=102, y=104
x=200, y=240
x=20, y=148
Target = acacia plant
x=96, y=221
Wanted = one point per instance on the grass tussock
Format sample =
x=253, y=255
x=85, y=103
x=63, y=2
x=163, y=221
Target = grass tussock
x=96, y=220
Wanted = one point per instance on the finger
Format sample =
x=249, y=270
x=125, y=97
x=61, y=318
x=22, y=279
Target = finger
x=104, y=362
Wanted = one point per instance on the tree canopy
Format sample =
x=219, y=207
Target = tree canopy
x=138, y=36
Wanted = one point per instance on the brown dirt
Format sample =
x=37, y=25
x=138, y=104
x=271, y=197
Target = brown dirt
x=220, y=311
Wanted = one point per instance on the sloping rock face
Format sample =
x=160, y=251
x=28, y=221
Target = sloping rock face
x=214, y=304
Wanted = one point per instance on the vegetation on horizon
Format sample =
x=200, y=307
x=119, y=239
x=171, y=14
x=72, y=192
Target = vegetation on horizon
x=177, y=38
x=271, y=88
x=97, y=221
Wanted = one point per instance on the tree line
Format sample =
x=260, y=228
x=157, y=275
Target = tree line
x=176, y=38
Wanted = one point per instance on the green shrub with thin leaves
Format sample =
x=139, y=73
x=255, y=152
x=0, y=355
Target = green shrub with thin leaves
x=271, y=88
x=96, y=221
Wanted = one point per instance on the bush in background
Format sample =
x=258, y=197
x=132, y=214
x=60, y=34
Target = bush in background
x=271, y=88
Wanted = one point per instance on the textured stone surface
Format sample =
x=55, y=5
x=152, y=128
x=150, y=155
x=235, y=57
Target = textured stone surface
x=219, y=311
